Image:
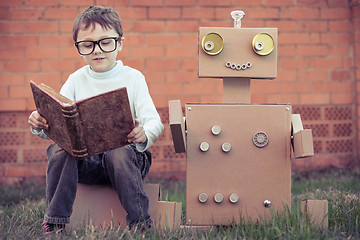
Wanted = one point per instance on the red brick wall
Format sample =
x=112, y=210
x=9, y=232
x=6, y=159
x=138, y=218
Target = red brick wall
x=319, y=47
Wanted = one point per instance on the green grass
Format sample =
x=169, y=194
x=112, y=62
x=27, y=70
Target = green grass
x=22, y=209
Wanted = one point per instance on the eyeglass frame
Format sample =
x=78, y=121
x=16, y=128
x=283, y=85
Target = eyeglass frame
x=98, y=43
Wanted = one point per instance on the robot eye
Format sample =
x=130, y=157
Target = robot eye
x=212, y=43
x=263, y=44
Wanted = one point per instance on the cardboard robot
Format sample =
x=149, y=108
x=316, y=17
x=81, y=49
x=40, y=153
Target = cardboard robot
x=238, y=154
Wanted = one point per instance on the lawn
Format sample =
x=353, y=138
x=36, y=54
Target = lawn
x=22, y=209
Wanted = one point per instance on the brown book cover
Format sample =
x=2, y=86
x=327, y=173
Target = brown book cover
x=86, y=127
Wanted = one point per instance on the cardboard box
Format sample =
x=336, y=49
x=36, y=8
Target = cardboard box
x=317, y=211
x=168, y=215
x=177, y=126
x=101, y=206
x=303, y=144
x=228, y=164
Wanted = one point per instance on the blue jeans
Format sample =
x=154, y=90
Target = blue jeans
x=124, y=168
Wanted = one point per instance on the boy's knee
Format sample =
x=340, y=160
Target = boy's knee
x=54, y=151
x=120, y=156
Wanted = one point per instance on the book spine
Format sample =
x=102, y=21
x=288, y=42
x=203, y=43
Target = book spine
x=72, y=118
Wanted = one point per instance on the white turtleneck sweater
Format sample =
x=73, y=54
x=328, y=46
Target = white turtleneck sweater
x=85, y=83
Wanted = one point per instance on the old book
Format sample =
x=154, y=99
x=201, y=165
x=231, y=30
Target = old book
x=86, y=127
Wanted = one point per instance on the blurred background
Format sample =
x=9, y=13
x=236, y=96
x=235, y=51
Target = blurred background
x=318, y=70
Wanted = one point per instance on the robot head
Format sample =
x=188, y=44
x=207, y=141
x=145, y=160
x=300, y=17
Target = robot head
x=238, y=52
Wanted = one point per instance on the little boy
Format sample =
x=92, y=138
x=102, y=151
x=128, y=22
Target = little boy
x=98, y=37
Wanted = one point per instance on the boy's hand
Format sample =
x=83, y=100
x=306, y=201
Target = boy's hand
x=137, y=135
x=37, y=122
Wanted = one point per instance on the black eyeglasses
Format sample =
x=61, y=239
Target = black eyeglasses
x=106, y=45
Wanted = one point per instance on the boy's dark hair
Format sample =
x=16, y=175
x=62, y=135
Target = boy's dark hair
x=107, y=17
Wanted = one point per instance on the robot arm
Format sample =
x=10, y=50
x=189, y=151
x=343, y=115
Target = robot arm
x=177, y=125
x=302, y=140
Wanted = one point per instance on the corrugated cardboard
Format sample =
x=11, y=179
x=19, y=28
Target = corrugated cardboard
x=101, y=206
x=236, y=90
x=168, y=215
x=177, y=125
x=238, y=50
x=317, y=211
x=254, y=174
x=303, y=144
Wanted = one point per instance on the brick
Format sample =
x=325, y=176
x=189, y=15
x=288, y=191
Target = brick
x=11, y=27
x=181, y=52
x=340, y=76
x=21, y=41
x=58, y=65
x=283, y=25
x=66, y=27
x=189, y=39
x=199, y=88
x=42, y=53
x=311, y=50
x=286, y=50
x=215, y=3
x=77, y=3
x=279, y=3
x=12, y=78
x=23, y=66
x=20, y=92
x=313, y=75
x=162, y=39
x=4, y=92
x=189, y=64
x=313, y=26
x=164, y=13
x=25, y=170
x=338, y=3
x=12, y=138
x=113, y=2
x=182, y=26
x=335, y=13
x=61, y=13
x=147, y=52
x=11, y=3
x=8, y=156
x=287, y=75
x=182, y=3
x=12, y=53
x=340, y=26
x=210, y=99
x=315, y=98
x=134, y=40
x=260, y=13
x=265, y=87
x=169, y=89
x=159, y=101
x=69, y=53
x=41, y=3
x=50, y=79
x=155, y=77
x=327, y=62
x=56, y=41
x=336, y=38
x=198, y=13
x=25, y=13
x=149, y=26
x=296, y=87
x=162, y=65
x=133, y=13
x=243, y=3
x=333, y=87
x=303, y=13
x=146, y=2
x=35, y=155
x=219, y=23
x=339, y=50
x=42, y=27
x=4, y=13
x=294, y=38
x=181, y=77
x=138, y=64
x=342, y=98
x=294, y=63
